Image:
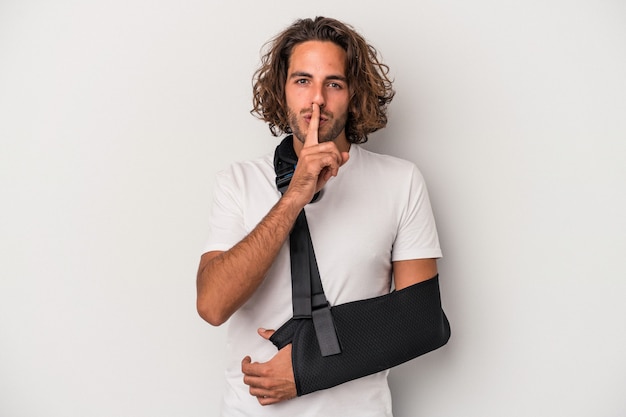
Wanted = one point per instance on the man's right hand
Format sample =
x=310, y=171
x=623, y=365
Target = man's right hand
x=226, y=280
x=317, y=163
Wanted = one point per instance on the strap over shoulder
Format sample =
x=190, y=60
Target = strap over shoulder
x=308, y=298
x=285, y=160
x=375, y=334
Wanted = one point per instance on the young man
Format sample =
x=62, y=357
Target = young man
x=372, y=226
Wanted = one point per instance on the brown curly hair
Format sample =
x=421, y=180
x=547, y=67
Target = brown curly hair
x=370, y=87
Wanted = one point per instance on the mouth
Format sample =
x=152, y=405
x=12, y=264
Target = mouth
x=307, y=119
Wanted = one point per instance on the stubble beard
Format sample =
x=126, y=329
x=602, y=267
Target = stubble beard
x=326, y=134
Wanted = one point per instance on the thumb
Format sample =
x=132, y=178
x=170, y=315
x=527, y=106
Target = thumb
x=265, y=334
x=246, y=361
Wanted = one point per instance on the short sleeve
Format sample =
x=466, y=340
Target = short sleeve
x=226, y=222
x=417, y=236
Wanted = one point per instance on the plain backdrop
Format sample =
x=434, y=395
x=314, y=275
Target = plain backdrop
x=116, y=115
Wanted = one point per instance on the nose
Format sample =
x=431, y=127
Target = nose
x=318, y=96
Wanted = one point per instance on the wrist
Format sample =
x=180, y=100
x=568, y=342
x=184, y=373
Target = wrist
x=293, y=202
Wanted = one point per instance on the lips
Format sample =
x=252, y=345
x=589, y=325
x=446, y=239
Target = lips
x=307, y=119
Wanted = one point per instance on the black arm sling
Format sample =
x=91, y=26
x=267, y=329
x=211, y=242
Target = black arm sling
x=333, y=345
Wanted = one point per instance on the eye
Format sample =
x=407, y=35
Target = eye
x=302, y=81
x=335, y=85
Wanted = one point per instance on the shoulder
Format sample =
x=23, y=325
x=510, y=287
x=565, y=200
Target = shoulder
x=260, y=167
x=383, y=165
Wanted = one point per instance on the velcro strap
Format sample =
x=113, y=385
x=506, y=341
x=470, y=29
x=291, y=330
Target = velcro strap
x=308, y=296
x=325, y=331
x=308, y=299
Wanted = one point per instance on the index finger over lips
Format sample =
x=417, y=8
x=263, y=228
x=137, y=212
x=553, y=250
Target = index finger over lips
x=311, y=134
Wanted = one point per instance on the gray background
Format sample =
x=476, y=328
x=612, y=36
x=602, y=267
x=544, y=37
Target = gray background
x=116, y=115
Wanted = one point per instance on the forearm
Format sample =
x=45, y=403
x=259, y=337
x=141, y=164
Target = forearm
x=376, y=334
x=226, y=281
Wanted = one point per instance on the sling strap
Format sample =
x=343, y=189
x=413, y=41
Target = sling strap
x=376, y=333
x=308, y=299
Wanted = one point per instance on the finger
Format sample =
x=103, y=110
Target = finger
x=257, y=389
x=263, y=395
x=344, y=157
x=267, y=400
x=265, y=333
x=311, y=134
x=324, y=155
x=256, y=385
x=327, y=173
x=332, y=162
x=267, y=396
x=249, y=368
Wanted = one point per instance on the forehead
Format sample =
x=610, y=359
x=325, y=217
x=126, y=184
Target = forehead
x=318, y=56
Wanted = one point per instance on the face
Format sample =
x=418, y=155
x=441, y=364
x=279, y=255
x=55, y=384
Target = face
x=317, y=75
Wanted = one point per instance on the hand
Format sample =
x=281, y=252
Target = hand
x=271, y=382
x=317, y=163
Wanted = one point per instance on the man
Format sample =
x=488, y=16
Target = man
x=372, y=227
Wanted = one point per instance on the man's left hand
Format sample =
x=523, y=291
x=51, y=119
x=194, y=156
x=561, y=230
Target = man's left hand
x=273, y=381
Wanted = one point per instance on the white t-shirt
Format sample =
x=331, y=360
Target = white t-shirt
x=374, y=212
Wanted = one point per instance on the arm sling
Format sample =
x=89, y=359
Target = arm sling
x=333, y=345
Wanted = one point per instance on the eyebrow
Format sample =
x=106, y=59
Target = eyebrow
x=307, y=75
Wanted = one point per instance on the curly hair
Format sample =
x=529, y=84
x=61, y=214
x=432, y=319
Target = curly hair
x=370, y=87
